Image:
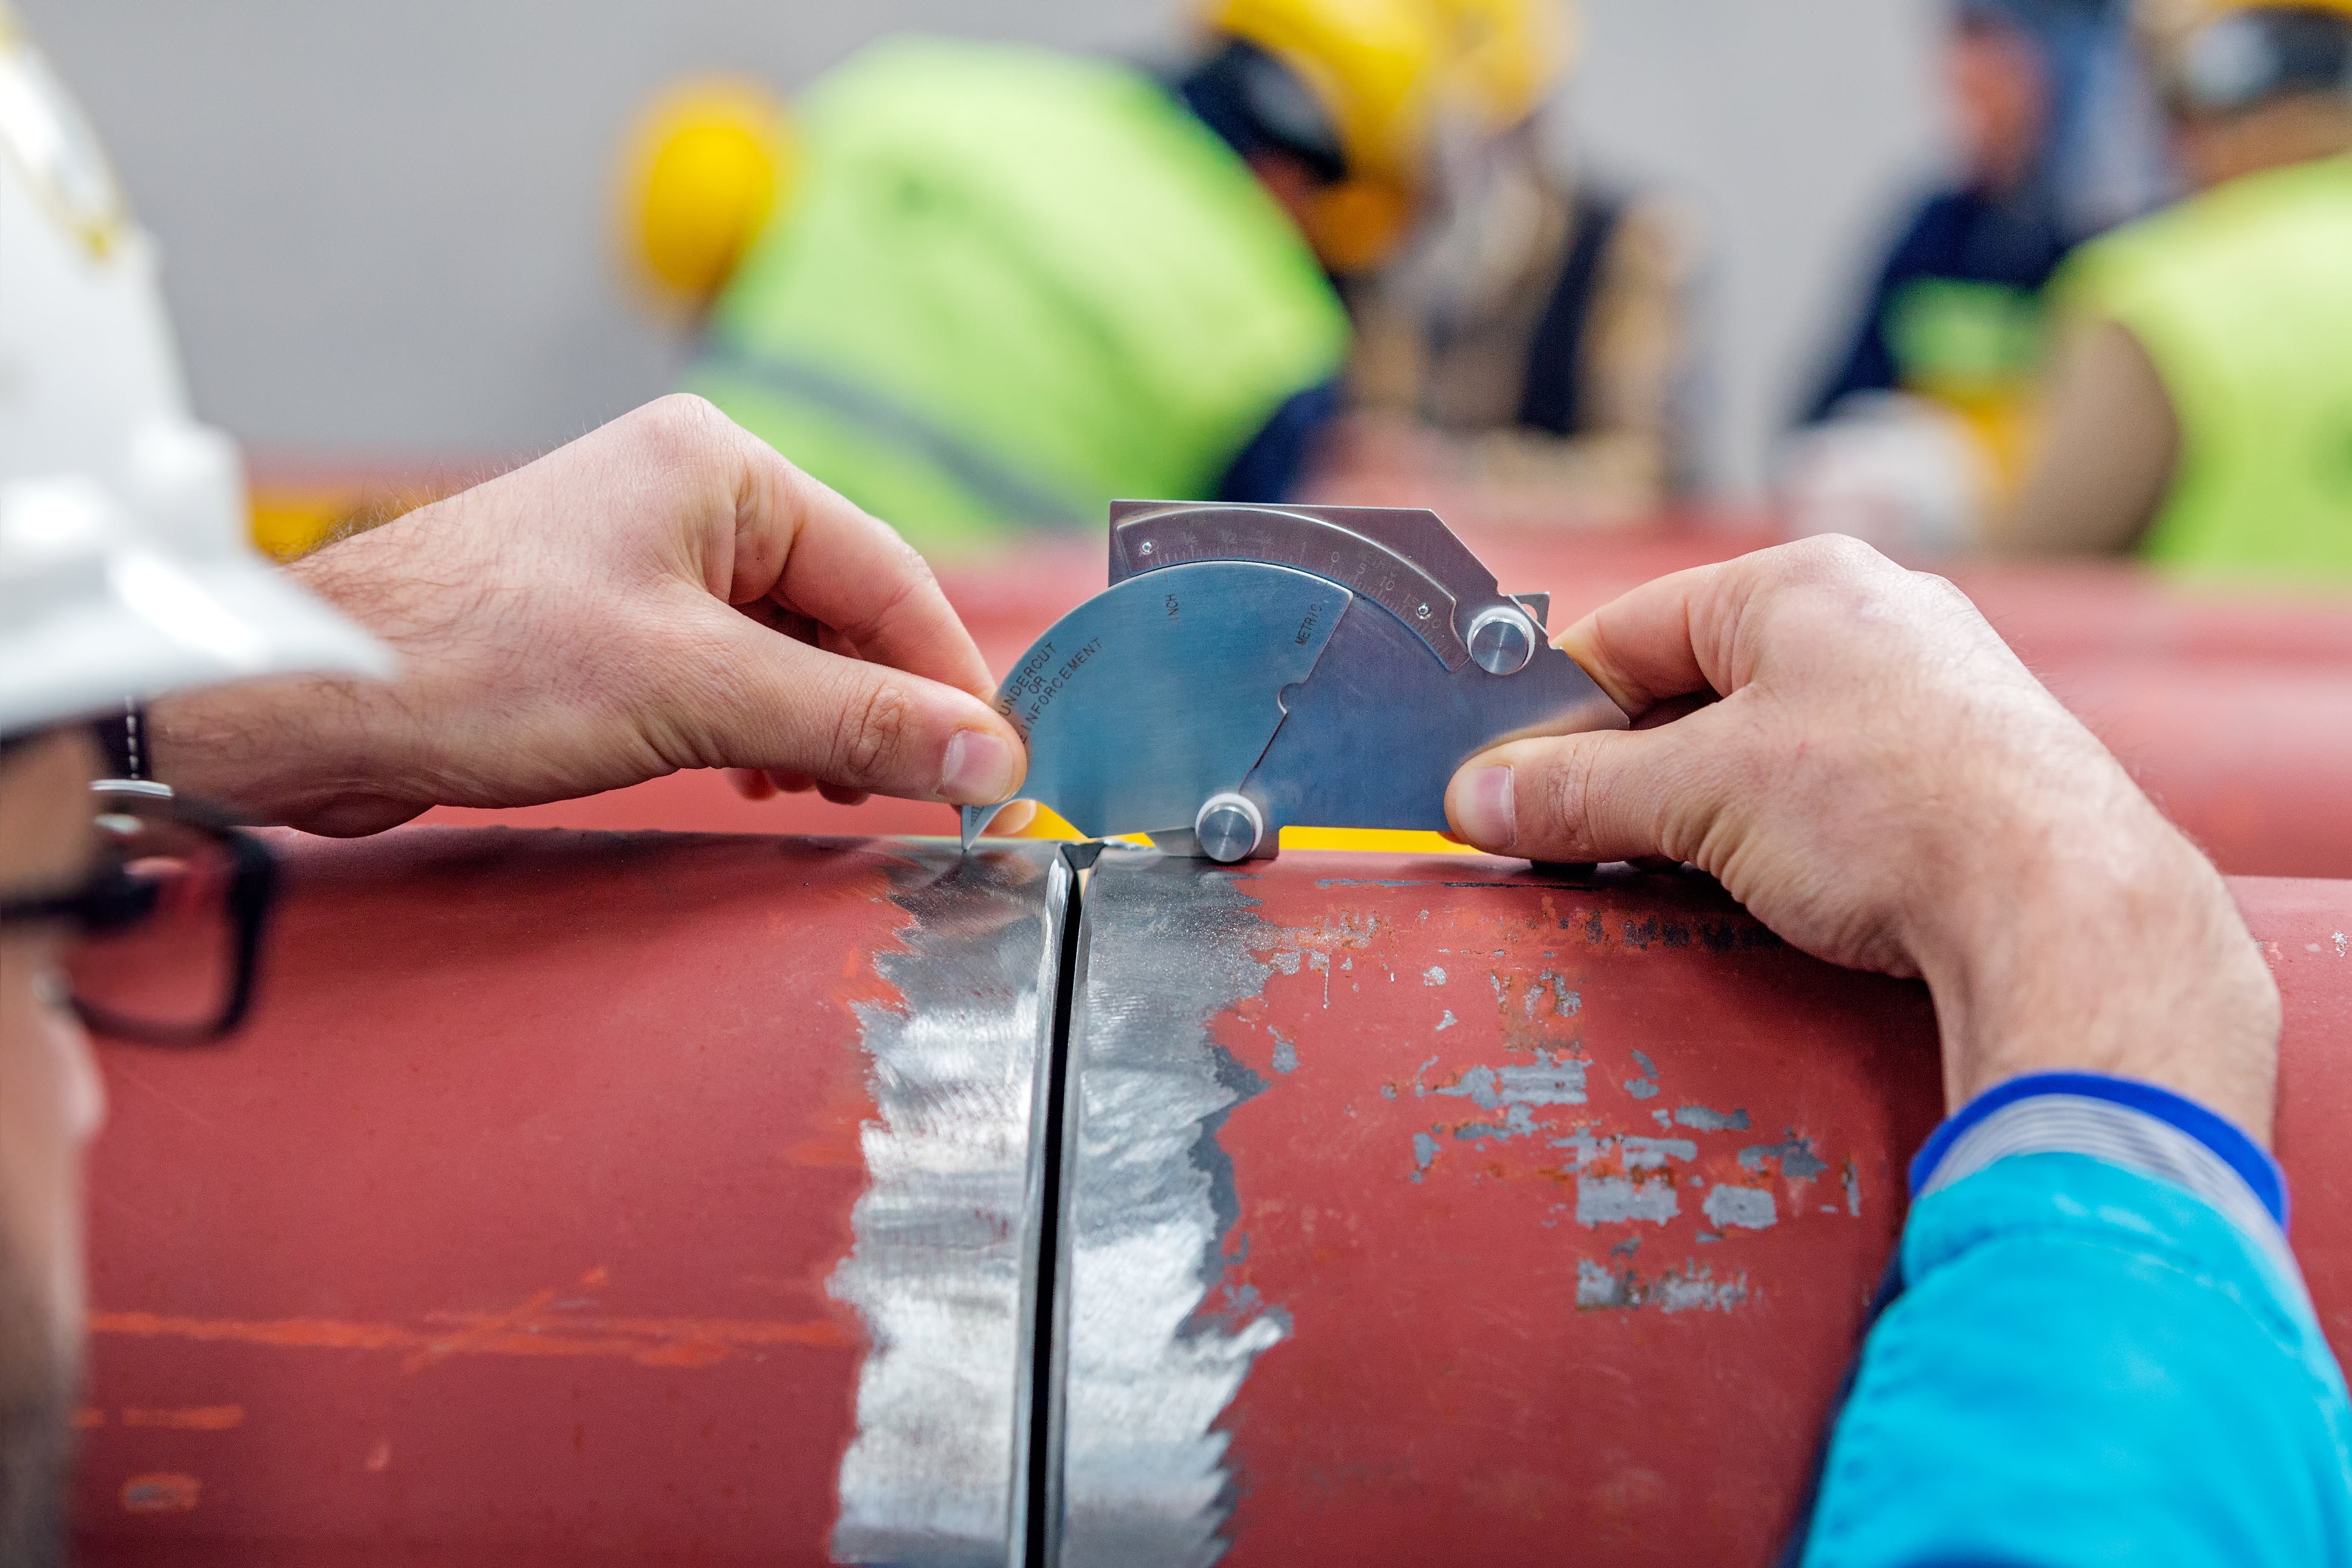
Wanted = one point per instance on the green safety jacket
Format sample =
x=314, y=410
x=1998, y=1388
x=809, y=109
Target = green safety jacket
x=1012, y=285
x=2242, y=298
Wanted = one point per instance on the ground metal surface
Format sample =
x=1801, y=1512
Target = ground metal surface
x=659, y=1200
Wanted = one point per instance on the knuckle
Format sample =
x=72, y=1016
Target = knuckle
x=682, y=424
x=1563, y=797
x=1834, y=558
x=872, y=731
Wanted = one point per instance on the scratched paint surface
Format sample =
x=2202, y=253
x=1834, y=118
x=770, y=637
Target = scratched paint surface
x=505, y=1233
x=1573, y=1198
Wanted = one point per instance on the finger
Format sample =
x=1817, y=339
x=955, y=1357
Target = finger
x=803, y=544
x=751, y=784
x=1687, y=632
x=791, y=783
x=737, y=695
x=1601, y=796
x=1641, y=646
x=1014, y=820
x=841, y=796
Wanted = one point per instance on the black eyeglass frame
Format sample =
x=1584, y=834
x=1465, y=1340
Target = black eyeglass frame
x=116, y=900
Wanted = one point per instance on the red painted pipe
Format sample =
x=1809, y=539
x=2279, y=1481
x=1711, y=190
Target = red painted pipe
x=526, y=1225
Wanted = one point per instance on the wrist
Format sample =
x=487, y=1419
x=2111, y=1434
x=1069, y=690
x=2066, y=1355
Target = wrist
x=328, y=755
x=319, y=755
x=2102, y=941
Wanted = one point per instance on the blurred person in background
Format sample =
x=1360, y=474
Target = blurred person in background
x=1536, y=337
x=1925, y=425
x=2200, y=406
x=989, y=286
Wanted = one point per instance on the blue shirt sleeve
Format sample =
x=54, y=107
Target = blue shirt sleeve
x=2101, y=1353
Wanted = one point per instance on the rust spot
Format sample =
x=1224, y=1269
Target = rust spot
x=193, y=1419
x=162, y=1492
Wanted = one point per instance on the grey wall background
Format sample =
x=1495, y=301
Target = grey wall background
x=384, y=226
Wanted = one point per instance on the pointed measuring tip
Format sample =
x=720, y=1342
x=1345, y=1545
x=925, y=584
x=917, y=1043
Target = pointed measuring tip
x=975, y=819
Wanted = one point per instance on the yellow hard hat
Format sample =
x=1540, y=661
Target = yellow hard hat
x=705, y=165
x=1504, y=58
x=1374, y=65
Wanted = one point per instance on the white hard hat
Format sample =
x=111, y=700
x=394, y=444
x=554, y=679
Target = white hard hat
x=125, y=568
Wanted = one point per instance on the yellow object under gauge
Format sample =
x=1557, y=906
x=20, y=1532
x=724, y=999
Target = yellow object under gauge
x=1048, y=824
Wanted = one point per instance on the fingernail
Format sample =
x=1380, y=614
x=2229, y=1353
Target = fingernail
x=977, y=770
x=1484, y=809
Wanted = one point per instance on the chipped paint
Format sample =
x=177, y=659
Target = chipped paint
x=1154, y=1348
x=1636, y=1153
x=941, y=1268
x=1646, y=1086
x=1852, y=1177
x=1693, y=1287
x=1432, y=975
x=1650, y=1154
x=1518, y=1122
x=1617, y=1200
x=1794, y=1154
x=1699, y=1118
x=1743, y=1208
x=1546, y=1080
x=1603, y=1289
x=1565, y=1003
x=1448, y=1021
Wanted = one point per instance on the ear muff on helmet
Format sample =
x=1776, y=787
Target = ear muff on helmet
x=706, y=167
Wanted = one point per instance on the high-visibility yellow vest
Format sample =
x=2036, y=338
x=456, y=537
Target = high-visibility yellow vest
x=1013, y=285
x=2242, y=298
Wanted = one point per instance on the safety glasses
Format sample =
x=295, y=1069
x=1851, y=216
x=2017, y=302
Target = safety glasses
x=169, y=923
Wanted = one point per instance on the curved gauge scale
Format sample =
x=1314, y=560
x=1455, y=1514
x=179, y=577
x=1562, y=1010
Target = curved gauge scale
x=1155, y=695
x=1314, y=660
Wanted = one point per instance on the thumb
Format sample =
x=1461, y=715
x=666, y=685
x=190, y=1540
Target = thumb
x=787, y=707
x=1606, y=795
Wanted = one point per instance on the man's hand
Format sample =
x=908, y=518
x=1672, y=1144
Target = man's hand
x=664, y=593
x=1884, y=784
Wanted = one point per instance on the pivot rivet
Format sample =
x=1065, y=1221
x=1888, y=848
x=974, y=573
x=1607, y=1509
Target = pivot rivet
x=1502, y=640
x=1229, y=828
